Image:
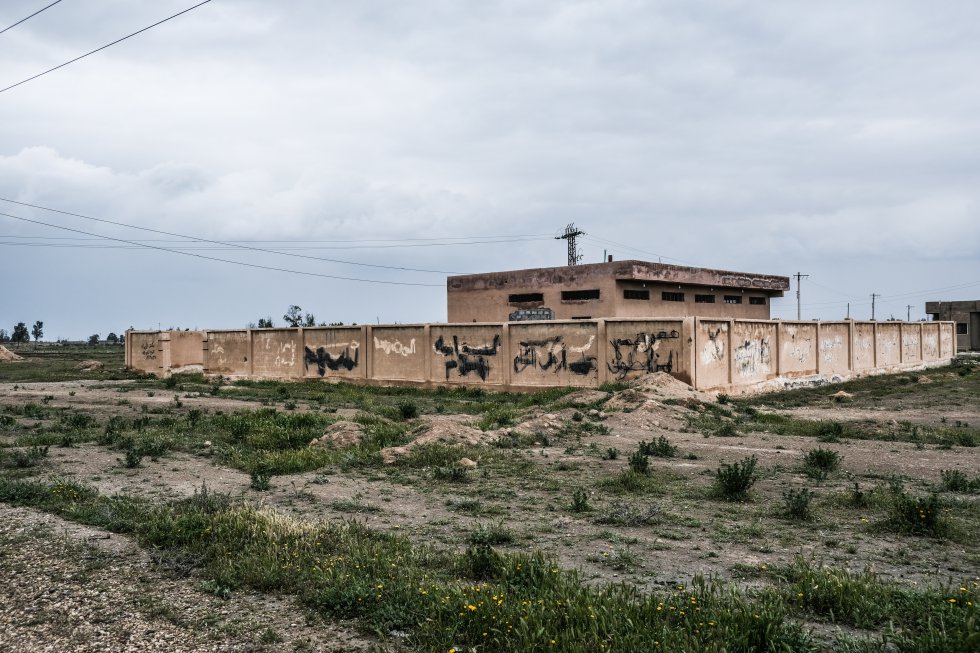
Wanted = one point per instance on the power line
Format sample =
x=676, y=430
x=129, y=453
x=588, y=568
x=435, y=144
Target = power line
x=284, y=251
x=222, y=260
x=217, y=242
x=510, y=238
x=634, y=249
x=29, y=17
x=51, y=70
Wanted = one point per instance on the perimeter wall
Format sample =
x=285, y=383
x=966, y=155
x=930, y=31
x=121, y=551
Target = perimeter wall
x=715, y=354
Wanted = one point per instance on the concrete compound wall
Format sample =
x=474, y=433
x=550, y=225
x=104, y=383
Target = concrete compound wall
x=729, y=355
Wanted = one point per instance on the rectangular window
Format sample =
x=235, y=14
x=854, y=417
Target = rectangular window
x=672, y=296
x=581, y=317
x=704, y=299
x=526, y=297
x=636, y=294
x=757, y=301
x=961, y=329
x=579, y=295
x=733, y=299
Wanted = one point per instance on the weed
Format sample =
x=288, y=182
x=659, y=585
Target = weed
x=629, y=482
x=408, y=410
x=723, y=398
x=819, y=463
x=953, y=480
x=481, y=562
x=451, y=474
x=259, y=480
x=912, y=515
x=290, y=405
x=830, y=432
x=629, y=514
x=6, y=422
x=612, y=453
x=733, y=481
x=580, y=501
x=662, y=448
x=639, y=463
x=31, y=457
x=134, y=458
x=491, y=534
x=796, y=503
x=726, y=430
x=352, y=505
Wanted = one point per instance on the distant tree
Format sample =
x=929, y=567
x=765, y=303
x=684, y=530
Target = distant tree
x=93, y=339
x=112, y=338
x=309, y=320
x=20, y=333
x=37, y=331
x=3, y=336
x=122, y=338
x=294, y=316
x=265, y=323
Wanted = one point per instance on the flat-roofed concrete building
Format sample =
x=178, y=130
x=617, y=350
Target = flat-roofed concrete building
x=966, y=314
x=613, y=289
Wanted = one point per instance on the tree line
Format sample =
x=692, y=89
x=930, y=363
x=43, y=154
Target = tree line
x=20, y=334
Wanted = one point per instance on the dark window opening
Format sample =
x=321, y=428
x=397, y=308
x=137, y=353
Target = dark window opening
x=636, y=294
x=579, y=295
x=733, y=299
x=672, y=296
x=526, y=297
x=961, y=329
x=704, y=299
x=581, y=317
x=757, y=301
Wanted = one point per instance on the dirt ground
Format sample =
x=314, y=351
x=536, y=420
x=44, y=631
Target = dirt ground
x=660, y=536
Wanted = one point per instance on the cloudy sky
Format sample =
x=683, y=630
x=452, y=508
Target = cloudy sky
x=837, y=139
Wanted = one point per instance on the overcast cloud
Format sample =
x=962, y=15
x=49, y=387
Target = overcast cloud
x=838, y=139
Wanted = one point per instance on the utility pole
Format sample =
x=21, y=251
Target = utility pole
x=908, y=316
x=799, y=276
x=571, y=233
x=873, y=296
x=848, y=310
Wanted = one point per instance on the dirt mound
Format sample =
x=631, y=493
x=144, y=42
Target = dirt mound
x=447, y=429
x=547, y=423
x=90, y=365
x=339, y=435
x=586, y=397
x=663, y=385
x=8, y=356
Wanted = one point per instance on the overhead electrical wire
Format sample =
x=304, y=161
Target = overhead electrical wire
x=29, y=17
x=226, y=245
x=223, y=260
x=607, y=242
x=108, y=45
x=284, y=251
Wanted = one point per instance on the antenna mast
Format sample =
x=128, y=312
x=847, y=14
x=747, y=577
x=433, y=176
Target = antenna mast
x=571, y=233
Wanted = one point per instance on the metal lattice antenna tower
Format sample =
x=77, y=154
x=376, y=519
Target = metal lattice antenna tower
x=571, y=233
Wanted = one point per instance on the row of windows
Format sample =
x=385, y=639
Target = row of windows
x=702, y=299
x=631, y=293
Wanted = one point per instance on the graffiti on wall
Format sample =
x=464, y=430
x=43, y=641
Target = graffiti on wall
x=395, y=347
x=465, y=358
x=640, y=354
x=752, y=357
x=831, y=348
x=714, y=349
x=553, y=354
x=324, y=360
x=149, y=350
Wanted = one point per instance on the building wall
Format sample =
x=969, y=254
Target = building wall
x=487, y=297
x=493, y=305
x=965, y=315
x=718, y=354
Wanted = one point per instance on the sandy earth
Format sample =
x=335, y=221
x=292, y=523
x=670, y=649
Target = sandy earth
x=688, y=533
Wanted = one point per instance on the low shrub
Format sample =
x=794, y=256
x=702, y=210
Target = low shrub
x=662, y=448
x=911, y=515
x=734, y=481
x=796, y=503
x=580, y=501
x=639, y=463
x=819, y=463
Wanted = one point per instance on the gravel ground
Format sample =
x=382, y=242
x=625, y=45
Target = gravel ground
x=72, y=588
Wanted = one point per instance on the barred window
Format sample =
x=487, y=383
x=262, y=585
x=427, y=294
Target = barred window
x=579, y=295
x=672, y=296
x=733, y=299
x=704, y=299
x=636, y=294
x=757, y=301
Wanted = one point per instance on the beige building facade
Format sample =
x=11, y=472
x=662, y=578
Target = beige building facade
x=966, y=315
x=620, y=289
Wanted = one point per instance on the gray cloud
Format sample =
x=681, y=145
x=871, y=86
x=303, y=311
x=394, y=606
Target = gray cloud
x=834, y=138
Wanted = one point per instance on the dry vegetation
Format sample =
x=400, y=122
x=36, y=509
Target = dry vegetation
x=633, y=518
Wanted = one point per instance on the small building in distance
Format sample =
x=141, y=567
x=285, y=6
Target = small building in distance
x=613, y=289
x=966, y=315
